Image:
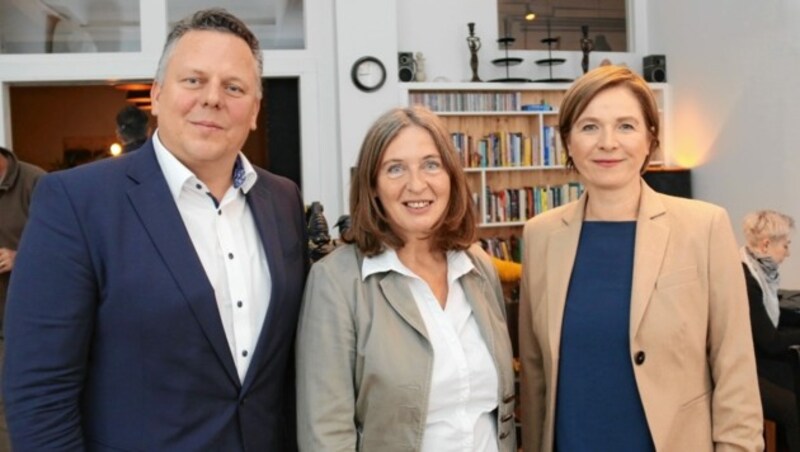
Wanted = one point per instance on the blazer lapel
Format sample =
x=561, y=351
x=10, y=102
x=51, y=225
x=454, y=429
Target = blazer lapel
x=400, y=299
x=475, y=285
x=562, y=247
x=153, y=202
x=652, y=234
x=261, y=205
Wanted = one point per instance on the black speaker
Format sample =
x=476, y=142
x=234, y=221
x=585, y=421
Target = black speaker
x=655, y=68
x=670, y=181
x=407, y=67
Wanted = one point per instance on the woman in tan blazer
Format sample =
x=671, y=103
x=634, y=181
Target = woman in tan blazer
x=634, y=331
x=402, y=343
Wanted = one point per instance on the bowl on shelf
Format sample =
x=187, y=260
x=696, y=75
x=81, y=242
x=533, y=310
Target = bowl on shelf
x=507, y=61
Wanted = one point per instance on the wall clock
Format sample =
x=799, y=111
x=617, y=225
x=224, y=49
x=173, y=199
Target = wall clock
x=368, y=74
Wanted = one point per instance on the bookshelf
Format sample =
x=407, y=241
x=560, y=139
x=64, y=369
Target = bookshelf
x=506, y=136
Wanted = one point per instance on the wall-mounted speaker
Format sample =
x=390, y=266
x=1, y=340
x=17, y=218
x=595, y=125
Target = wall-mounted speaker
x=407, y=67
x=670, y=181
x=655, y=68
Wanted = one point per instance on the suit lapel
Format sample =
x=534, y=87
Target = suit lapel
x=652, y=234
x=153, y=203
x=261, y=204
x=399, y=297
x=475, y=286
x=562, y=247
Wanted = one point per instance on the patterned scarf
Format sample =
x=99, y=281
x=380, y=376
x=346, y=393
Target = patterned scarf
x=765, y=271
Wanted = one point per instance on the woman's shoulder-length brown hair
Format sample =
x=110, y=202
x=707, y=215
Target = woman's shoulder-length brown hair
x=370, y=229
x=586, y=88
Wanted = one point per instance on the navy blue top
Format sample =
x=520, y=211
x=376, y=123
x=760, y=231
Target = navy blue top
x=598, y=405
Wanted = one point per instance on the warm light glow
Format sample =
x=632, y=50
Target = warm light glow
x=132, y=86
x=530, y=15
x=138, y=95
x=693, y=144
x=115, y=149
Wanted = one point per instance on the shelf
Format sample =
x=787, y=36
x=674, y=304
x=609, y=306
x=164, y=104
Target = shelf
x=496, y=113
x=551, y=62
x=478, y=87
x=554, y=80
x=504, y=224
x=511, y=61
x=489, y=169
x=511, y=80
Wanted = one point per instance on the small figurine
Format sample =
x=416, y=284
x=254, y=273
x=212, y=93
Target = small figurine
x=420, y=60
x=319, y=241
x=474, y=44
x=342, y=224
x=587, y=45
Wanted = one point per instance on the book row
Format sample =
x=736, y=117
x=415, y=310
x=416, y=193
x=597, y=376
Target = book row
x=510, y=149
x=519, y=204
x=468, y=101
x=508, y=249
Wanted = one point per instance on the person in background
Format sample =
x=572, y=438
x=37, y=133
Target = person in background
x=634, y=331
x=155, y=298
x=131, y=128
x=402, y=342
x=767, y=239
x=17, y=181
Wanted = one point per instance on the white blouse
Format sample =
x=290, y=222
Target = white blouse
x=464, y=381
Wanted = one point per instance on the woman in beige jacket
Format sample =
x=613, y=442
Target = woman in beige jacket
x=402, y=343
x=634, y=329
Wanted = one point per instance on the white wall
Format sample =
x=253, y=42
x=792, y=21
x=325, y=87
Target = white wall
x=363, y=28
x=736, y=102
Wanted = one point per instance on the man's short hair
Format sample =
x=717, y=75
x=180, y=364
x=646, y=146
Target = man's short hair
x=132, y=124
x=212, y=19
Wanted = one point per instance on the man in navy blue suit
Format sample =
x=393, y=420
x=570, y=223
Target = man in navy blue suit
x=155, y=296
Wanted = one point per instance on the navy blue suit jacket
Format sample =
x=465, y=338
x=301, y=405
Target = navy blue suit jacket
x=113, y=335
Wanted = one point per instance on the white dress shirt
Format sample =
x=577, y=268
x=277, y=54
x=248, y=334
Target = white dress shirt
x=226, y=240
x=464, y=381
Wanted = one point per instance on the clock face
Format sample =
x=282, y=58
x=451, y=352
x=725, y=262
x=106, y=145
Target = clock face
x=368, y=74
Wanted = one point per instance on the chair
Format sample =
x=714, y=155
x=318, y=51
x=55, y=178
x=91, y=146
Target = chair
x=770, y=428
x=770, y=436
x=794, y=352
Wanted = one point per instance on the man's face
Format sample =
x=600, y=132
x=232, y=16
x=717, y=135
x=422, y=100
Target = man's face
x=208, y=101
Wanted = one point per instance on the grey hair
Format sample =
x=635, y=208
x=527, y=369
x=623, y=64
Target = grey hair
x=766, y=224
x=212, y=19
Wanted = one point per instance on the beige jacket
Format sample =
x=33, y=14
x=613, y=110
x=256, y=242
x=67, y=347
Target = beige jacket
x=364, y=360
x=689, y=318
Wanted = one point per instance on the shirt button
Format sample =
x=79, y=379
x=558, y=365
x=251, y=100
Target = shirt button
x=639, y=358
x=230, y=255
x=219, y=212
x=198, y=186
x=244, y=353
x=239, y=304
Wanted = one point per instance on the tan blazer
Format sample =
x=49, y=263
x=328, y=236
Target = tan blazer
x=689, y=319
x=364, y=360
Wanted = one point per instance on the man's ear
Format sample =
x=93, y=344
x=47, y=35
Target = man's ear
x=155, y=91
x=254, y=119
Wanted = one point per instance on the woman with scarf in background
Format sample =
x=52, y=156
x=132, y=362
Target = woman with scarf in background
x=767, y=235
